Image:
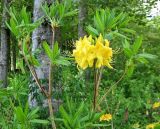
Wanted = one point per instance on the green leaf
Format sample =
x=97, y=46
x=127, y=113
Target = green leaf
x=127, y=51
x=98, y=21
x=38, y=121
x=20, y=65
x=126, y=44
x=47, y=11
x=34, y=61
x=78, y=114
x=112, y=20
x=137, y=44
x=128, y=31
x=47, y=50
x=33, y=113
x=4, y=92
x=120, y=35
x=25, y=16
x=100, y=125
x=92, y=31
x=13, y=27
x=71, y=13
x=123, y=21
x=61, y=11
x=61, y=61
x=25, y=48
x=69, y=105
x=130, y=68
x=20, y=114
x=67, y=125
x=87, y=125
x=56, y=51
x=142, y=60
x=64, y=115
x=147, y=56
x=13, y=15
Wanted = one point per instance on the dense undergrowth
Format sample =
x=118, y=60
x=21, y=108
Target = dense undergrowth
x=109, y=79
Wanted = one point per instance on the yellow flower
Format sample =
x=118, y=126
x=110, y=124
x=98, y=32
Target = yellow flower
x=81, y=52
x=106, y=117
x=150, y=126
x=156, y=105
x=87, y=54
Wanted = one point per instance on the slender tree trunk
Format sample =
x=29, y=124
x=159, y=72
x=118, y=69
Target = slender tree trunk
x=82, y=16
x=42, y=33
x=4, y=46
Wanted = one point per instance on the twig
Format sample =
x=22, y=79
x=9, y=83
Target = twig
x=50, y=84
x=115, y=84
x=34, y=75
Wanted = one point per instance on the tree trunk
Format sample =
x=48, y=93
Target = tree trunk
x=4, y=46
x=82, y=16
x=42, y=33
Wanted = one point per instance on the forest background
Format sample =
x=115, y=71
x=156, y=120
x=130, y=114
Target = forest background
x=44, y=84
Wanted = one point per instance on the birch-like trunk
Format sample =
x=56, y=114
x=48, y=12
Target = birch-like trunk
x=4, y=46
x=42, y=33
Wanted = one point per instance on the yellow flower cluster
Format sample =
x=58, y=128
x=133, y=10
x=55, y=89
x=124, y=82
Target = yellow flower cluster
x=152, y=126
x=106, y=117
x=93, y=53
x=156, y=105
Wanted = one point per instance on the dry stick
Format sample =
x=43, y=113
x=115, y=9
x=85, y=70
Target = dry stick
x=95, y=89
x=34, y=75
x=97, y=78
x=48, y=95
x=50, y=85
x=103, y=97
x=112, y=125
x=37, y=80
x=117, y=107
